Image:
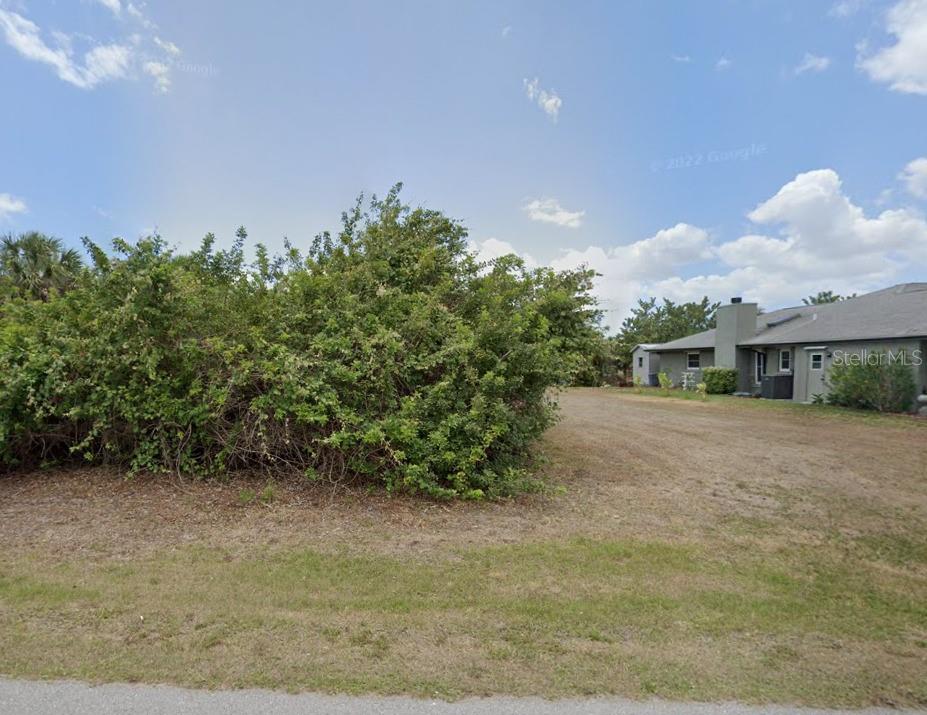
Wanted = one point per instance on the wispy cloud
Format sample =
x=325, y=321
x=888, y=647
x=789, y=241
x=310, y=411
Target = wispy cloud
x=101, y=63
x=722, y=64
x=845, y=8
x=160, y=73
x=114, y=6
x=546, y=99
x=506, y=31
x=550, y=211
x=136, y=13
x=812, y=63
x=681, y=58
x=11, y=205
x=914, y=177
x=168, y=46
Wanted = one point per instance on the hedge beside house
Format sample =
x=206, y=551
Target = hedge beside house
x=720, y=380
x=879, y=384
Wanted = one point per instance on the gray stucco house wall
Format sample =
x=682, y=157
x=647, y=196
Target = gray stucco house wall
x=675, y=363
x=644, y=363
x=805, y=341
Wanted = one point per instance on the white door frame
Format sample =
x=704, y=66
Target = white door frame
x=759, y=357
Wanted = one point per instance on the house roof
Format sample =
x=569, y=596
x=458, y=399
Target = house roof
x=645, y=346
x=696, y=341
x=896, y=312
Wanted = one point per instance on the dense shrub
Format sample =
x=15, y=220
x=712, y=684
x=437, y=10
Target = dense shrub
x=878, y=383
x=386, y=353
x=720, y=380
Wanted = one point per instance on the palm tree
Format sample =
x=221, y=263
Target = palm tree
x=36, y=264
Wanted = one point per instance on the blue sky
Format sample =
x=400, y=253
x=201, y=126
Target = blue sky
x=765, y=149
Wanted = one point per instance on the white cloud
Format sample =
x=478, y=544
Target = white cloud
x=722, y=64
x=168, y=46
x=812, y=63
x=101, y=63
x=550, y=211
x=23, y=36
x=135, y=11
x=548, y=100
x=914, y=177
x=506, y=31
x=493, y=248
x=627, y=270
x=813, y=211
x=681, y=58
x=845, y=8
x=114, y=6
x=819, y=240
x=106, y=62
x=11, y=205
x=161, y=74
x=903, y=66
x=826, y=241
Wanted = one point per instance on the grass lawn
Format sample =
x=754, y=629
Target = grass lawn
x=823, y=410
x=695, y=551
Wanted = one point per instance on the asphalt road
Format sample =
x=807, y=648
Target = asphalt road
x=46, y=698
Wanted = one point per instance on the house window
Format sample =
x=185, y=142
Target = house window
x=693, y=361
x=760, y=365
x=640, y=362
x=817, y=361
x=785, y=361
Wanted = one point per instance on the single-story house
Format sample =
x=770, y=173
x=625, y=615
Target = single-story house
x=645, y=364
x=786, y=353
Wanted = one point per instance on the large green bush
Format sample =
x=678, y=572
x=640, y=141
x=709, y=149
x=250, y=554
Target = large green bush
x=720, y=380
x=882, y=381
x=386, y=353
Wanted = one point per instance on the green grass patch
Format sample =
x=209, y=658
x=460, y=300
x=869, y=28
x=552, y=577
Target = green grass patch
x=559, y=618
x=781, y=406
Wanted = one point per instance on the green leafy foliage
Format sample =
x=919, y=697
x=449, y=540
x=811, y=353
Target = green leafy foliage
x=720, y=380
x=36, y=266
x=825, y=296
x=596, y=359
x=665, y=382
x=387, y=353
x=884, y=382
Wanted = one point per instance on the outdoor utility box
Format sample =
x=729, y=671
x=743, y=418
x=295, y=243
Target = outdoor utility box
x=776, y=387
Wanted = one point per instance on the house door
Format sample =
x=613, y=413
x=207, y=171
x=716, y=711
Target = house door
x=759, y=367
x=815, y=375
